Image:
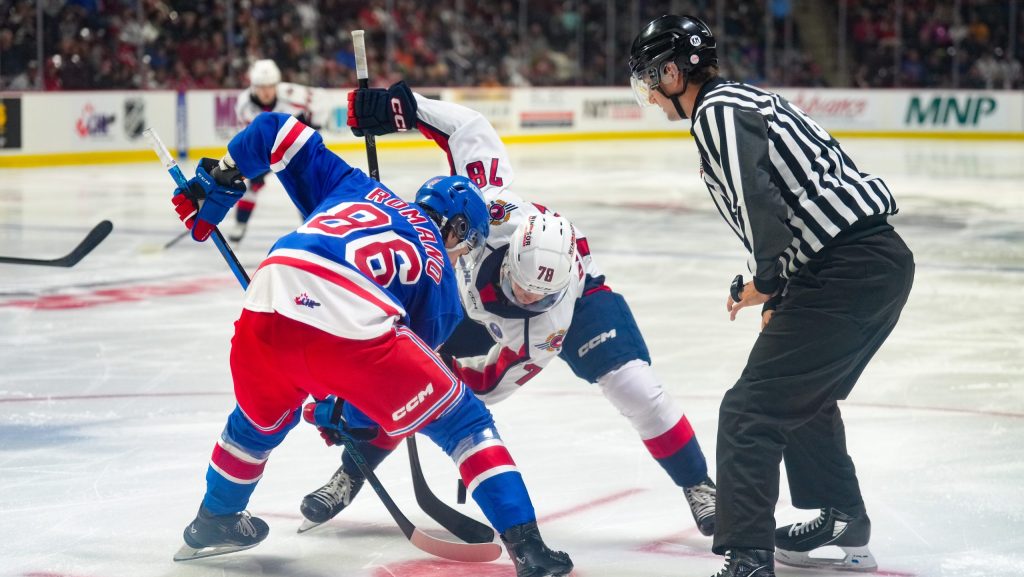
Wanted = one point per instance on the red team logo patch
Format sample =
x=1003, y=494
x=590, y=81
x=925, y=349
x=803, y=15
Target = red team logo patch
x=553, y=342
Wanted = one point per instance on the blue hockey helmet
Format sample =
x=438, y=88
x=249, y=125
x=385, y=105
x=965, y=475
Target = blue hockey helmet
x=456, y=205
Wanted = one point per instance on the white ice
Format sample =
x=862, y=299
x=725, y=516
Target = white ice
x=114, y=380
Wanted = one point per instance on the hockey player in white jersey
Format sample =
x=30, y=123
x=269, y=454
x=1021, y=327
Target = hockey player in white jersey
x=266, y=93
x=534, y=293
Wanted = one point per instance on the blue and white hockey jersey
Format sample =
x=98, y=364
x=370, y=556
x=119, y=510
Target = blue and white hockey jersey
x=384, y=254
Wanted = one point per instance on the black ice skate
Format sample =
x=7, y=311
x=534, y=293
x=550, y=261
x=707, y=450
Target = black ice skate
x=850, y=533
x=208, y=534
x=701, y=498
x=531, y=556
x=322, y=505
x=747, y=563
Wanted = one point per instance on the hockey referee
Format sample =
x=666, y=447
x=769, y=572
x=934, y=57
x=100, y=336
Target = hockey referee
x=832, y=275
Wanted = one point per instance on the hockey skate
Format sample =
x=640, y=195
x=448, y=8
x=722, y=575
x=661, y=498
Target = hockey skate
x=795, y=543
x=531, y=557
x=237, y=232
x=747, y=563
x=322, y=505
x=208, y=535
x=701, y=498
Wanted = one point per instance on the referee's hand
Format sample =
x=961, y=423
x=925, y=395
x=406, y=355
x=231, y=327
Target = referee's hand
x=742, y=295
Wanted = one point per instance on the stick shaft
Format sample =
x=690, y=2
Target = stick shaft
x=179, y=178
x=363, y=75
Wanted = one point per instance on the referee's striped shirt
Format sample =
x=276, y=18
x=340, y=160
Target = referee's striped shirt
x=779, y=179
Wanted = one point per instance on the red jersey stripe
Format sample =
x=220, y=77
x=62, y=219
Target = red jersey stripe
x=583, y=246
x=235, y=467
x=440, y=138
x=483, y=461
x=482, y=382
x=672, y=440
x=278, y=153
x=334, y=277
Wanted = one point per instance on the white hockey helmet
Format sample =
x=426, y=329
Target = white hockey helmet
x=264, y=73
x=541, y=259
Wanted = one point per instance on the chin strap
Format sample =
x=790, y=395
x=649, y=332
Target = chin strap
x=675, y=97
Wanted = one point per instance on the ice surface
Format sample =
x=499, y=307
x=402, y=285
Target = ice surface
x=114, y=381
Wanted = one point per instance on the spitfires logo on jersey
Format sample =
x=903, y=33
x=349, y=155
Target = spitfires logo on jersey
x=501, y=211
x=553, y=342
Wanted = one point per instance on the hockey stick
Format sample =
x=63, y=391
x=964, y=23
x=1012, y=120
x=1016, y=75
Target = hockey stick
x=463, y=527
x=363, y=75
x=91, y=241
x=465, y=552
x=218, y=239
x=466, y=528
x=175, y=240
x=468, y=552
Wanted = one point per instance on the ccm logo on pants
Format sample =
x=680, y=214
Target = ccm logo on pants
x=413, y=402
x=595, y=342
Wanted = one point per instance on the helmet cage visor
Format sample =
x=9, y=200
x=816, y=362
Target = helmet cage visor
x=545, y=304
x=643, y=82
x=646, y=70
x=469, y=238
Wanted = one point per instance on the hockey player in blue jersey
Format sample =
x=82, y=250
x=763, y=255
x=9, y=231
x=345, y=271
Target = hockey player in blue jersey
x=348, y=308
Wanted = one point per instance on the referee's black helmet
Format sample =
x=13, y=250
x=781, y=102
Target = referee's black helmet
x=685, y=40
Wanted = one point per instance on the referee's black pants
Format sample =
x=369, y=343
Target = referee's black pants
x=837, y=311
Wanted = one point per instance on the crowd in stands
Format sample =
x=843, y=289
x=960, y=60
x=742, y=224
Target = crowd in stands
x=918, y=43
x=181, y=44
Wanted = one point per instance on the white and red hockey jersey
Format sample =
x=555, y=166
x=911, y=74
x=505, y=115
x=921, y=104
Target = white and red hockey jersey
x=525, y=342
x=303, y=102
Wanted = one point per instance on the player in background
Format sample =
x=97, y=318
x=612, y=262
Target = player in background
x=535, y=294
x=347, y=308
x=266, y=93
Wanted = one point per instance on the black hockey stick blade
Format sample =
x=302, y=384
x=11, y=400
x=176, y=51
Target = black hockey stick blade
x=466, y=528
x=91, y=241
x=465, y=552
x=175, y=240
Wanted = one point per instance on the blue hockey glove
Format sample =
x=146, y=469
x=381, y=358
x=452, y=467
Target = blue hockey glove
x=328, y=416
x=377, y=111
x=208, y=197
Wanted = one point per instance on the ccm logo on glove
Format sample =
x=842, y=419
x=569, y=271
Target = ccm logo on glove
x=396, y=109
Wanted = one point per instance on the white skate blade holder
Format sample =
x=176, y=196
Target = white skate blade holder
x=830, y=557
x=187, y=553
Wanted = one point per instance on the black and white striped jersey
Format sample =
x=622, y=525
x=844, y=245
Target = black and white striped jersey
x=784, y=185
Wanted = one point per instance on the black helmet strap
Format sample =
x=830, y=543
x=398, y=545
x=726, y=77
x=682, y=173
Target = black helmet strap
x=674, y=98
